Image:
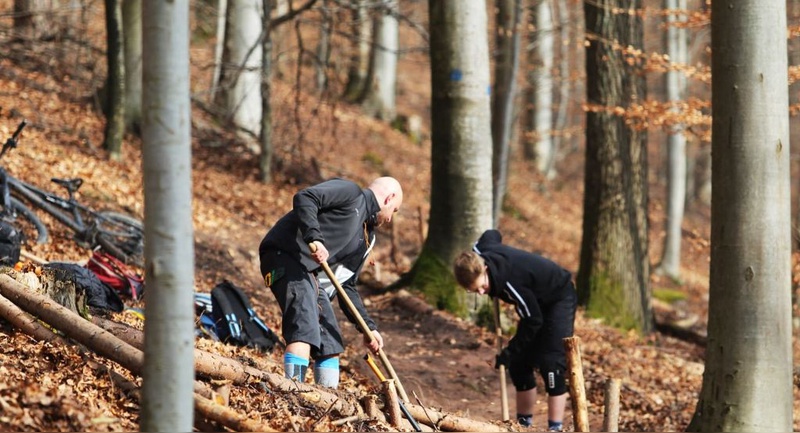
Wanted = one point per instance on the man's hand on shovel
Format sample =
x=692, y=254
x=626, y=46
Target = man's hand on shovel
x=374, y=343
x=318, y=252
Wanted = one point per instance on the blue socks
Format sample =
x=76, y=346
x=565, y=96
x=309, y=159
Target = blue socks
x=326, y=372
x=294, y=367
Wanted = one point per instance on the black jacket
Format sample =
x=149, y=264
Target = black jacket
x=342, y=216
x=332, y=212
x=529, y=281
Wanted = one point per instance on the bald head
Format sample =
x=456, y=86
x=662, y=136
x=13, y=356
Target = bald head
x=389, y=194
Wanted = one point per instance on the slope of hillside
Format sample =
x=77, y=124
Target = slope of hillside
x=442, y=360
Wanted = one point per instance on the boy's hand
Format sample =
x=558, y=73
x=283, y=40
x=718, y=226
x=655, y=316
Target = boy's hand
x=502, y=358
x=374, y=344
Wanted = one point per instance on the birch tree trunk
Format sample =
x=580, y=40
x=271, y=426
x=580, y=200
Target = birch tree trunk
x=504, y=96
x=380, y=98
x=168, y=378
x=115, y=81
x=676, y=142
x=614, y=273
x=132, y=25
x=240, y=82
x=461, y=152
x=361, y=30
x=540, y=79
x=747, y=383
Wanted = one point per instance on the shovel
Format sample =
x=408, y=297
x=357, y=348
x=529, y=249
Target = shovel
x=362, y=324
x=499, y=331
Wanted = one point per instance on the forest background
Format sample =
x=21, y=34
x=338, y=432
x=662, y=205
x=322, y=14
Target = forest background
x=56, y=83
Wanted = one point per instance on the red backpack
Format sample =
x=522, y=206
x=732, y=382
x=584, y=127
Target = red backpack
x=116, y=274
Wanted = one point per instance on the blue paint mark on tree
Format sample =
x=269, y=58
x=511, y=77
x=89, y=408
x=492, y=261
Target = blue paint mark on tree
x=456, y=75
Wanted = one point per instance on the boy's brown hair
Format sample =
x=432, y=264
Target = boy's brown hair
x=467, y=267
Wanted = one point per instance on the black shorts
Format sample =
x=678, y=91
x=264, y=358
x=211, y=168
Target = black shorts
x=307, y=312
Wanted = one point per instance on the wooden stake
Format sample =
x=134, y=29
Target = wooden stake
x=611, y=416
x=503, y=387
x=577, y=390
x=392, y=403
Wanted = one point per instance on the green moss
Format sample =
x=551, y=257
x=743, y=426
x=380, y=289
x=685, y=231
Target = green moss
x=607, y=302
x=668, y=295
x=485, y=316
x=434, y=279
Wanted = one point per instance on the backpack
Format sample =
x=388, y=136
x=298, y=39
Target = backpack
x=236, y=322
x=10, y=243
x=98, y=294
x=116, y=274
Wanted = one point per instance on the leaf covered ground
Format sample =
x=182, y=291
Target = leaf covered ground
x=442, y=360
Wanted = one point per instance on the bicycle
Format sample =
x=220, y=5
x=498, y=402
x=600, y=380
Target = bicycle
x=120, y=235
x=11, y=207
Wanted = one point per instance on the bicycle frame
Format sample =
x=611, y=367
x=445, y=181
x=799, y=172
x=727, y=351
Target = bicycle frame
x=53, y=204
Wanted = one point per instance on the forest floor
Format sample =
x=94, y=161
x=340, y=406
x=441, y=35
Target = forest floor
x=442, y=360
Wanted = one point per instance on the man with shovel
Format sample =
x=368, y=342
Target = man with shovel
x=545, y=299
x=336, y=217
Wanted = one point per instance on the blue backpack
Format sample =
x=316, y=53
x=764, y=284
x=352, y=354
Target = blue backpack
x=236, y=322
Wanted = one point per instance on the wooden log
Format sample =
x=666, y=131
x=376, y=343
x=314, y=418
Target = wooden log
x=577, y=389
x=371, y=407
x=611, y=413
x=227, y=416
x=215, y=366
x=392, y=403
x=404, y=299
x=449, y=422
x=100, y=341
x=25, y=322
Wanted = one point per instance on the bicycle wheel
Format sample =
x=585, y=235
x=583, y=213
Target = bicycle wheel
x=33, y=221
x=122, y=236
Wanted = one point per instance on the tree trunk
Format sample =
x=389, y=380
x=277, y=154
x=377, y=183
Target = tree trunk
x=360, y=36
x=747, y=383
x=380, y=93
x=539, y=145
x=676, y=142
x=219, y=47
x=564, y=81
x=267, y=148
x=240, y=82
x=168, y=377
x=461, y=152
x=613, y=278
x=115, y=82
x=30, y=18
x=132, y=31
x=323, y=47
x=504, y=97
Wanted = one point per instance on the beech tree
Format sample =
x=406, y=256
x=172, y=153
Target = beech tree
x=132, y=30
x=461, y=149
x=115, y=80
x=613, y=277
x=380, y=93
x=539, y=98
x=506, y=66
x=747, y=383
x=168, y=377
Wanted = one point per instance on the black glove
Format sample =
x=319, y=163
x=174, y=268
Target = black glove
x=502, y=358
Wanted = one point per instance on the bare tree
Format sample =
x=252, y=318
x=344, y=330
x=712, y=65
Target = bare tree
x=676, y=140
x=379, y=98
x=461, y=151
x=506, y=66
x=747, y=383
x=360, y=36
x=168, y=377
x=115, y=81
x=539, y=107
x=132, y=30
x=614, y=273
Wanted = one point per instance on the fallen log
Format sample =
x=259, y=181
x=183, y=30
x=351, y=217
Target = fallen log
x=215, y=366
x=102, y=342
x=227, y=416
x=25, y=322
x=449, y=422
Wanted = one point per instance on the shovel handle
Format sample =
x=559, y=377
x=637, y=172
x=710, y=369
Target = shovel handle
x=503, y=388
x=361, y=323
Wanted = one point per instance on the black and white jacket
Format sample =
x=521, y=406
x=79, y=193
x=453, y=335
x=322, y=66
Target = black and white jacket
x=528, y=281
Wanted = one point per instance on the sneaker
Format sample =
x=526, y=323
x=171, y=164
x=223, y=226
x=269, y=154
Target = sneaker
x=525, y=420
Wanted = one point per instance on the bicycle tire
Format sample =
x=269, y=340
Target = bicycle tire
x=122, y=236
x=26, y=213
